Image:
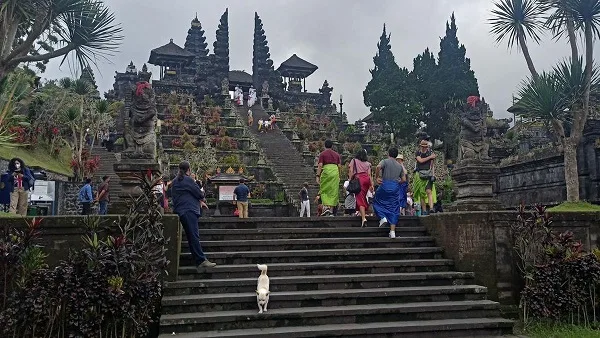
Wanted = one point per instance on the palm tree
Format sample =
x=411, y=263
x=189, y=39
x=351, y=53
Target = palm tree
x=516, y=21
x=558, y=97
x=562, y=21
x=84, y=28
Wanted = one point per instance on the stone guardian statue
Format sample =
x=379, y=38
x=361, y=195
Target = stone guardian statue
x=473, y=144
x=140, y=136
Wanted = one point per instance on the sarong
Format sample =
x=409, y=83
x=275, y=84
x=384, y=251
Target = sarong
x=419, y=189
x=386, y=202
x=402, y=194
x=330, y=185
x=365, y=185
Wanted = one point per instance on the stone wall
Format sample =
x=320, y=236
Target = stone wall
x=60, y=234
x=481, y=242
x=538, y=177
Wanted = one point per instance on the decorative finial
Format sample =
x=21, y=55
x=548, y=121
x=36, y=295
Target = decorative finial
x=171, y=40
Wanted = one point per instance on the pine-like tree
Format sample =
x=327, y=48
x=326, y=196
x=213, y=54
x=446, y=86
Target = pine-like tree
x=454, y=82
x=391, y=92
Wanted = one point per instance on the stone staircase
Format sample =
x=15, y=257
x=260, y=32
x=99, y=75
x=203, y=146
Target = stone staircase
x=285, y=160
x=107, y=160
x=327, y=280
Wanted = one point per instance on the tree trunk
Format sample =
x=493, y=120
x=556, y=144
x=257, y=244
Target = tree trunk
x=571, y=173
x=572, y=39
x=528, y=59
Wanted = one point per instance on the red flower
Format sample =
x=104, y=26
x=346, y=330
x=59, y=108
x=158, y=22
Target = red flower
x=55, y=131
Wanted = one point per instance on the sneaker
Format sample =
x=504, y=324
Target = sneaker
x=382, y=222
x=392, y=234
x=326, y=212
x=205, y=264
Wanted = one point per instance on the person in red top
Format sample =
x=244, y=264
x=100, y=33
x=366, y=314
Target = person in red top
x=328, y=178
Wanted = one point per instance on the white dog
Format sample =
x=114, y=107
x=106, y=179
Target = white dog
x=262, y=289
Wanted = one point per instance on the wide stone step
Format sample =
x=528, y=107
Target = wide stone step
x=235, y=245
x=412, y=329
x=291, y=299
x=296, y=222
x=293, y=233
x=321, y=268
x=330, y=255
x=323, y=282
x=309, y=316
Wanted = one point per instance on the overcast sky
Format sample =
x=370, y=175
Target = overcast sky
x=339, y=36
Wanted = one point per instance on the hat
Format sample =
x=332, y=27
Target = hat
x=400, y=157
x=424, y=143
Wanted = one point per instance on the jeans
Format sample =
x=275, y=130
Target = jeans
x=86, y=208
x=305, y=206
x=189, y=221
x=103, y=208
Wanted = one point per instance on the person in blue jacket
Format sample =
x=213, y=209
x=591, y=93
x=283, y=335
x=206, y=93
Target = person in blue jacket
x=21, y=181
x=187, y=204
x=86, y=197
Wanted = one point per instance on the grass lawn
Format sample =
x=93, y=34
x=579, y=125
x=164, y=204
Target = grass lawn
x=575, y=207
x=40, y=157
x=550, y=330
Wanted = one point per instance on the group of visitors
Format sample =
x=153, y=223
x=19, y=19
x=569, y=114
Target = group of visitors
x=86, y=196
x=387, y=190
x=108, y=139
x=15, y=186
x=263, y=125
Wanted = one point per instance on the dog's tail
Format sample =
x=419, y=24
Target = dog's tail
x=262, y=268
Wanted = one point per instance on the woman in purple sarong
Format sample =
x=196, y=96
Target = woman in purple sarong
x=390, y=174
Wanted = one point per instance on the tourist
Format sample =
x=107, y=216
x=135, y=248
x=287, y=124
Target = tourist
x=319, y=204
x=304, y=201
x=86, y=198
x=159, y=193
x=386, y=203
x=186, y=202
x=250, y=118
x=410, y=211
x=20, y=182
x=110, y=143
x=360, y=168
x=403, y=186
x=251, y=97
x=273, y=121
x=349, y=201
x=241, y=193
x=328, y=178
x=260, y=124
x=266, y=125
x=103, y=196
x=423, y=186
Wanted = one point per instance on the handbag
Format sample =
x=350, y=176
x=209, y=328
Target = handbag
x=425, y=174
x=354, y=184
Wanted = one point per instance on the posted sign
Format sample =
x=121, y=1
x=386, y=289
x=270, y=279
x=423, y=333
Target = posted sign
x=226, y=193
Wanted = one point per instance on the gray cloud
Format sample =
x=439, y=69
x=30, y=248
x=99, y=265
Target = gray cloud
x=339, y=36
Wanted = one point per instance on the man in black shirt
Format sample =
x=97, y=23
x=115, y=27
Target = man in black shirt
x=423, y=181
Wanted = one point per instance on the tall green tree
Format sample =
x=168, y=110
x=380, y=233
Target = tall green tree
x=36, y=31
x=561, y=17
x=391, y=93
x=453, y=80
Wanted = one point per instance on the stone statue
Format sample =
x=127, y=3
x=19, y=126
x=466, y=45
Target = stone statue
x=225, y=87
x=140, y=137
x=265, y=88
x=473, y=145
x=270, y=104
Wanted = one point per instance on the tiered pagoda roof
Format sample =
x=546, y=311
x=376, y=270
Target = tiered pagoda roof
x=169, y=54
x=240, y=77
x=295, y=67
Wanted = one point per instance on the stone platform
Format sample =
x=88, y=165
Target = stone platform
x=329, y=277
